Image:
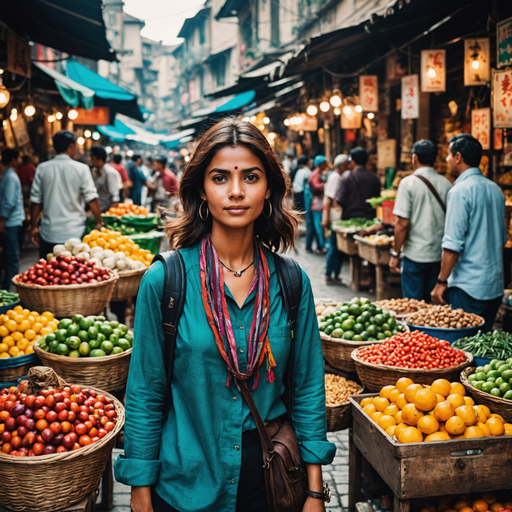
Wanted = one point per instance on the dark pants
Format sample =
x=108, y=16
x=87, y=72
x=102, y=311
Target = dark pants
x=310, y=225
x=299, y=201
x=251, y=495
x=485, y=308
x=9, y=243
x=319, y=230
x=334, y=258
x=419, y=279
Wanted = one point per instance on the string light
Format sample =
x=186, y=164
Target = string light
x=30, y=110
x=246, y=119
x=271, y=135
x=59, y=115
x=286, y=122
x=80, y=141
x=5, y=95
x=358, y=108
x=72, y=114
x=337, y=111
x=96, y=136
x=51, y=118
x=252, y=119
x=87, y=133
x=108, y=149
x=324, y=106
x=335, y=100
x=371, y=115
x=312, y=110
x=266, y=120
x=347, y=110
x=129, y=153
x=14, y=114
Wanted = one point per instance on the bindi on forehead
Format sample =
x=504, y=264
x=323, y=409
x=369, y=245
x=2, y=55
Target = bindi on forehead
x=236, y=167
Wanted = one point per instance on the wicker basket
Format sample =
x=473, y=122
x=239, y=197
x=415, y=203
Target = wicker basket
x=496, y=404
x=64, y=301
x=54, y=482
x=109, y=373
x=375, y=376
x=13, y=368
x=339, y=417
x=128, y=284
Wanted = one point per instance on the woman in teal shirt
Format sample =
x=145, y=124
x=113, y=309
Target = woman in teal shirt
x=207, y=455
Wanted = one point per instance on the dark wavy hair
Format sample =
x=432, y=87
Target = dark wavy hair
x=278, y=232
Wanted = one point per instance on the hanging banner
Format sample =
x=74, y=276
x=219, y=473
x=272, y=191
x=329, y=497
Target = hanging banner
x=309, y=123
x=477, y=68
x=410, y=97
x=433, y=70
x=504, y=43
x=369, y=93
x=498, y=138
x=18, y=56
x=481, y=126
x=96, y=115
x=502, y=99
x=386, y=153
x=352, y=121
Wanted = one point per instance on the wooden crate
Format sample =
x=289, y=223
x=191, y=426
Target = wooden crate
x=375, y=254
x=419, y=470
x=346, y=243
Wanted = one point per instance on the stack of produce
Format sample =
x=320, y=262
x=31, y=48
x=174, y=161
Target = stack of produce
x=403, y=306
x=354, y=225
x=338, y=389
x=91, y=336
x=486, y=502
x=7, y=298
x=20, y=328
x=413, y=350
x=444, y=317
x=127, y=209
x=494, y=378
x=63, y=271
x=359, y=320
x=413, y=413
x=493, y=345
x=379, y=239
x=55, y=421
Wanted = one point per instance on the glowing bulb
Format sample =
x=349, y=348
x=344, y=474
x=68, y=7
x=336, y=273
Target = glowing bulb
x=432, y=73
x=59, y=115
x=324, y=106
x=347, y=110
x=72, y=114
x=51, y=118
x=252, y=119
x=129, y=153
x=87, y=133
x=187, y=159
x=371, y=115
x=475, y=64
x=358, y=108
x=81, y=141
x=266, y=120
x=108, y=149
x=335, y=100
x=5, y=96
x=1, y=71
x=337, y=111
x=246, y=119
x=96, y=135
x=286, y=122
x=312, y=110
x=30, y=110
x=271, y=135
x=14, y=114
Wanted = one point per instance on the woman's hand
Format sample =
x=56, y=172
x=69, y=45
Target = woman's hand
x=314, y=505
x=141, y=499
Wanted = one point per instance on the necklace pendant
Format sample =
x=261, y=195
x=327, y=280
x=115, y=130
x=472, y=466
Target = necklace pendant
x=238, y=274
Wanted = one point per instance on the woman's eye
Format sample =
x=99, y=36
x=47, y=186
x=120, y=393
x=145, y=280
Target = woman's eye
x=219, y=178
x=252, y=177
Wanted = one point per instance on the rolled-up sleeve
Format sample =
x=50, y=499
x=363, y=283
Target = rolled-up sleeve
x=87, y=187
x=146, y=387
x=309, y=417
x=456, y=223
x=403, y=202
x=36, y=192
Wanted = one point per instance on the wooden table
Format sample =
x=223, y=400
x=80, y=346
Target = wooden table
x=347, y=245
x=423, y=470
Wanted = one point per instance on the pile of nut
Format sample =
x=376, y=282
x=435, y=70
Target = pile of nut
x=403, y=306
x=338, y=389
x=444, y=317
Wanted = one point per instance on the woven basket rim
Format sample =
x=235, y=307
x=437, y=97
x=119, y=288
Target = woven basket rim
x=469, y=360
x=344, y=404
x=348, y=343
x=113, y=277
x=130, y=273
x=84, y=451
x=419, y=327
x=80, y=360
x=464, y=379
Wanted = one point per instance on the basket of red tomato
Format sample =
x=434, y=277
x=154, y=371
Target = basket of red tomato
x=49, y=435
x=416, y=355
x=65, y=285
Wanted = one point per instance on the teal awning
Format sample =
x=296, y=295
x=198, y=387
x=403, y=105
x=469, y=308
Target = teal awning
x=116, y=132
x=239, y=101
x=73, y=93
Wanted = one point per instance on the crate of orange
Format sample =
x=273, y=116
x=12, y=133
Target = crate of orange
x=127, y=209
x=429, y=441
x=19, y=329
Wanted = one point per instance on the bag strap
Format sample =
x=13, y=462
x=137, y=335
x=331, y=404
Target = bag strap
x=289, y=276
x=433, y=190
x=173, y=301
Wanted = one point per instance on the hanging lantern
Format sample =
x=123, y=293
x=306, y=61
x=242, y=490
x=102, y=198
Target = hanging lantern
x=477, y=70
x=59, y=116
x=335, y=100
x=72, y=114
x=5, y=95
x=324, y=106
x=433, y=70
x=30, y=110
x=14, y=114
x=312, y=110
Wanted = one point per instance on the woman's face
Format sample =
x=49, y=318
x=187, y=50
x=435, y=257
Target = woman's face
x=235, y=187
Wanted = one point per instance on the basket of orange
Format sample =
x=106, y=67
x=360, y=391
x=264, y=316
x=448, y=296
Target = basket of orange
x=19, y=329
x=127, y=209
x=477, y=502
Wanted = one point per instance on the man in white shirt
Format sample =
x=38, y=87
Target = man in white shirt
x=420, y=208
x=332, y=213
x=61, y=189
x=299, y=182
x=107, y=180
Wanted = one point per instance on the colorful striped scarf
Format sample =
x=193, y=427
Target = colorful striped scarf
x=214, y=301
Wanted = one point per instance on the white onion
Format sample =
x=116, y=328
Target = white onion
x=58, y=249
x=109, y=263
x=107, y=253
x=71, y=242
x=83, y=256
x=80, y=248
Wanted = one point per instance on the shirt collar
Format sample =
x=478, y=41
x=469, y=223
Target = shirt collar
x=472, y=171
x=62, y=156
x=424, y=170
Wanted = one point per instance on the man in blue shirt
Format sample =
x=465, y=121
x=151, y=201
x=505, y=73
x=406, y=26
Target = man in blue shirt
x=12, y=213
x=138, y=179
x=474, y=236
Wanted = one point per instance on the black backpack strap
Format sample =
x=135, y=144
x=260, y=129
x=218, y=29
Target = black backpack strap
x=173, y=301
x=289, y=275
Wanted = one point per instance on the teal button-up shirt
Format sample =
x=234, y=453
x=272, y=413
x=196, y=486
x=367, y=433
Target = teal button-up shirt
x=194, y=459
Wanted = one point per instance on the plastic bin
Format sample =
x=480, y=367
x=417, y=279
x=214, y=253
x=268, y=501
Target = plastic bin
x=451, y=335
x=387, y=212
x=150, y=241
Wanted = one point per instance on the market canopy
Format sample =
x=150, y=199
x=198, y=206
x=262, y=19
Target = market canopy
x=236, y=103
x=107, y=94
x=76, y=27
x=116, y=132
x=73, y=93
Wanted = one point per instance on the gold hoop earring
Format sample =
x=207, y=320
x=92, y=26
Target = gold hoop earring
x=269, y=213
x=207, y=211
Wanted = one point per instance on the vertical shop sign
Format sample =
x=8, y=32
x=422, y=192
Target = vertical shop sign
x=410, y=97
x=504, y=43
x=369, y=93
x=498, y=139
x=309, y=123
x=18, y=56
x=477, y=69
x=433, y=70
x=481, y=126
x=502, y=98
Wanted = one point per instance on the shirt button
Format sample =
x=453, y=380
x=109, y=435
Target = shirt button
x=241, y=327
x=235, y=398
x=237, y=447
x=242, y=351
x=232, y=481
